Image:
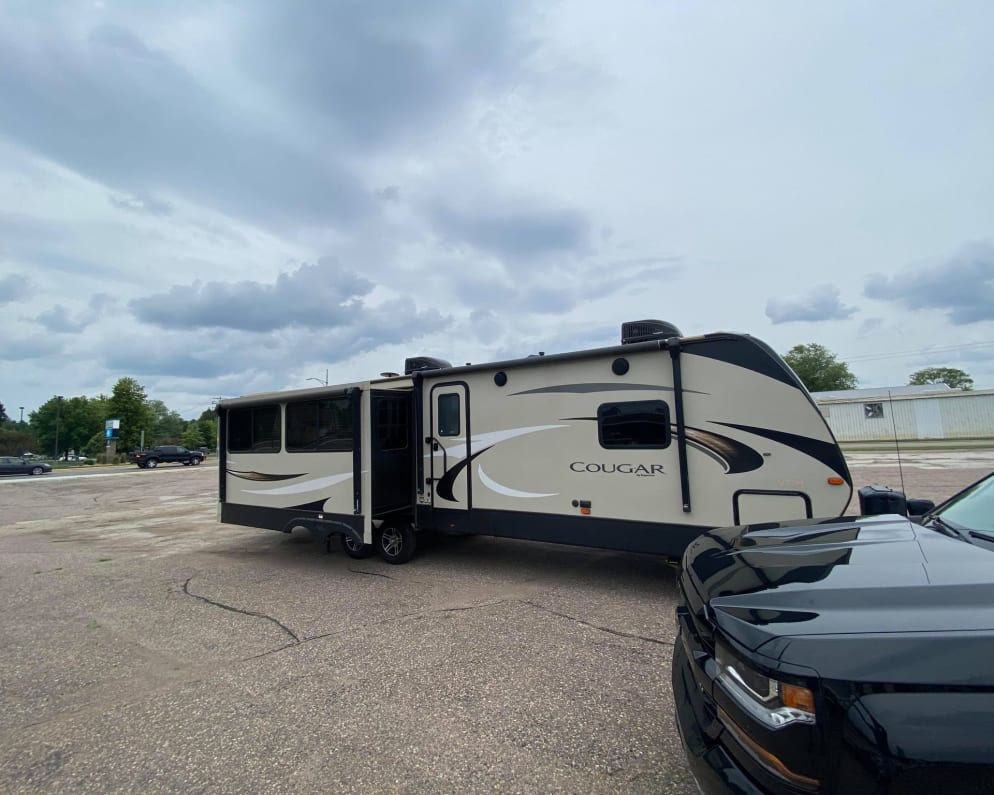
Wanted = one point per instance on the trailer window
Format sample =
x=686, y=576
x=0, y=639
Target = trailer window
x=448, y=415
x=639, y=423
x=254, y=430
x=392, y=426
x=319, y=425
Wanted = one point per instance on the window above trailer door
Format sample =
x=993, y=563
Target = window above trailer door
x=319, y=425
x=639, y=424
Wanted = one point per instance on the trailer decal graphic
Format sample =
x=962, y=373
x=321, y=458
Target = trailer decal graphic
x=262, y=475
x=735, y=456
x=445, y=485
x=493, y=485
x=302, y=488
x=584, y=389
x=827, y=453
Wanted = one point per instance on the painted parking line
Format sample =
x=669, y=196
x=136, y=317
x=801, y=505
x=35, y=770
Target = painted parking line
x=59, y=477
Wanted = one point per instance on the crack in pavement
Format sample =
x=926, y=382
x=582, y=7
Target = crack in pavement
x=299, y=641
x=618, y=632
x=284, y=627
x=370, y=573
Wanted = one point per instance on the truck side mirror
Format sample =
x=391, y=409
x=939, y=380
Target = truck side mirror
x=920, y=507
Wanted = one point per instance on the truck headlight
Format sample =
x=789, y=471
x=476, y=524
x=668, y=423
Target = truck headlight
x=770, y=701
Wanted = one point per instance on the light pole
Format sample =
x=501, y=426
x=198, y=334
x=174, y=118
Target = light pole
x=22, y=415
x=325, y=381
x=58, y=405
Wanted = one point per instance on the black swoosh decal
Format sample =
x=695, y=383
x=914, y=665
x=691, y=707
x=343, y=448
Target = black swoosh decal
x=735, y=456
x=746, y=352
x=829, y=454
x=584, y=389
x=262, y=476
x=445, y=484
x=317, y=505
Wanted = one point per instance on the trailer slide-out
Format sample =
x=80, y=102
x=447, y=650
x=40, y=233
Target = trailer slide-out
x=636, y=447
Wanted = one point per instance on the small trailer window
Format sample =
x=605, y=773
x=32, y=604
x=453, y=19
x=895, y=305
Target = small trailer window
x=640, y=423
x=448, y=415
x=254, y=430
x=319, y=425
x=393, y=428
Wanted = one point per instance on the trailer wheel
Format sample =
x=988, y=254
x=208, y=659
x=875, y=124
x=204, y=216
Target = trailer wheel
x=396, y=543
x=354, y=549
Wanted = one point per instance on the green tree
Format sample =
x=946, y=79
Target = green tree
x=167, y=426
x=192, y=437
x=46, y=424
x=78, y=421
x=15, y=442
x=819, y=369
x=952, y=377
x=3, y=414
x=129, y=404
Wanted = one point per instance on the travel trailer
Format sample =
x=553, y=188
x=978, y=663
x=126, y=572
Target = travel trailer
x=638, y=447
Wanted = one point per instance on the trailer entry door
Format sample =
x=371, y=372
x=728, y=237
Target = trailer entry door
x=448, y=447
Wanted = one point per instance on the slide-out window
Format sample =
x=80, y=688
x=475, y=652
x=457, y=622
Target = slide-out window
x=641, y=424
x=319, y=425
x=254, y=430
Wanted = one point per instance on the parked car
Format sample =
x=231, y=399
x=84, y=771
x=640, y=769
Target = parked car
x=849, y=655
x=12, y=465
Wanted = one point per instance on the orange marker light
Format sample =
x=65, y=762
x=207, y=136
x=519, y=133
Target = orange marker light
x=797, y=697
x=835, y=481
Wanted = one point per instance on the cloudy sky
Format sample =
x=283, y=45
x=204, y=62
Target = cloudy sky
x=217, y=198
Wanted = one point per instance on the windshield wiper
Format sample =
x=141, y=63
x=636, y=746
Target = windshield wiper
x=982, y=536
x=944, y=527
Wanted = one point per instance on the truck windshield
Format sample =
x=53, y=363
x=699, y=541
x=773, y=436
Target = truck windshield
x=972, y=511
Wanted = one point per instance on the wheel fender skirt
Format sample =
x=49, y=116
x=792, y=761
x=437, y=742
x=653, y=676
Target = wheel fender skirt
x=323, y=528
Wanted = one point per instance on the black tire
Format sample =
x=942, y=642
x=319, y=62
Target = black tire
x=195, y=461
x=37, y=471
x=396, y=543
x=354, y=550
x=152, y=463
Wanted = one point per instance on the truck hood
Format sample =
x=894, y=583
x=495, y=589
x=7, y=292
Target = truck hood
x=849, y=597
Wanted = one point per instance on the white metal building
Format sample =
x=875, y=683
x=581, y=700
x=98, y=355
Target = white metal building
x=933, y=411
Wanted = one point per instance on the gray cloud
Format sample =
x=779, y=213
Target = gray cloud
x=962, y=287
x=370, y=72
x=13, y=289
x=143, y=203
x=515, y=236
x=109, y=108
x=320, y=296
x=263, y=355
x=60, y=320
x=822, y=303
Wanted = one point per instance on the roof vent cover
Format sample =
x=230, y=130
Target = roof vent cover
x=417, y=363
x=644, y=330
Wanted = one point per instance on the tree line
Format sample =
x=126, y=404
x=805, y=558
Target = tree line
x=821, y=371
x=64, y=424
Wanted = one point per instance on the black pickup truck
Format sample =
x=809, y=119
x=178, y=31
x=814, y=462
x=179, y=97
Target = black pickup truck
x=845, y=655
x=165, y=454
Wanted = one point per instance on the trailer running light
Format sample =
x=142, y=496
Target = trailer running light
x=835, y=481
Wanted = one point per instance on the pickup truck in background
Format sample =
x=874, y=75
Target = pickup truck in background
x=165, y=454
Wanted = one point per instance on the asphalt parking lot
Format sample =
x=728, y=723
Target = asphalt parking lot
x=146, y=648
